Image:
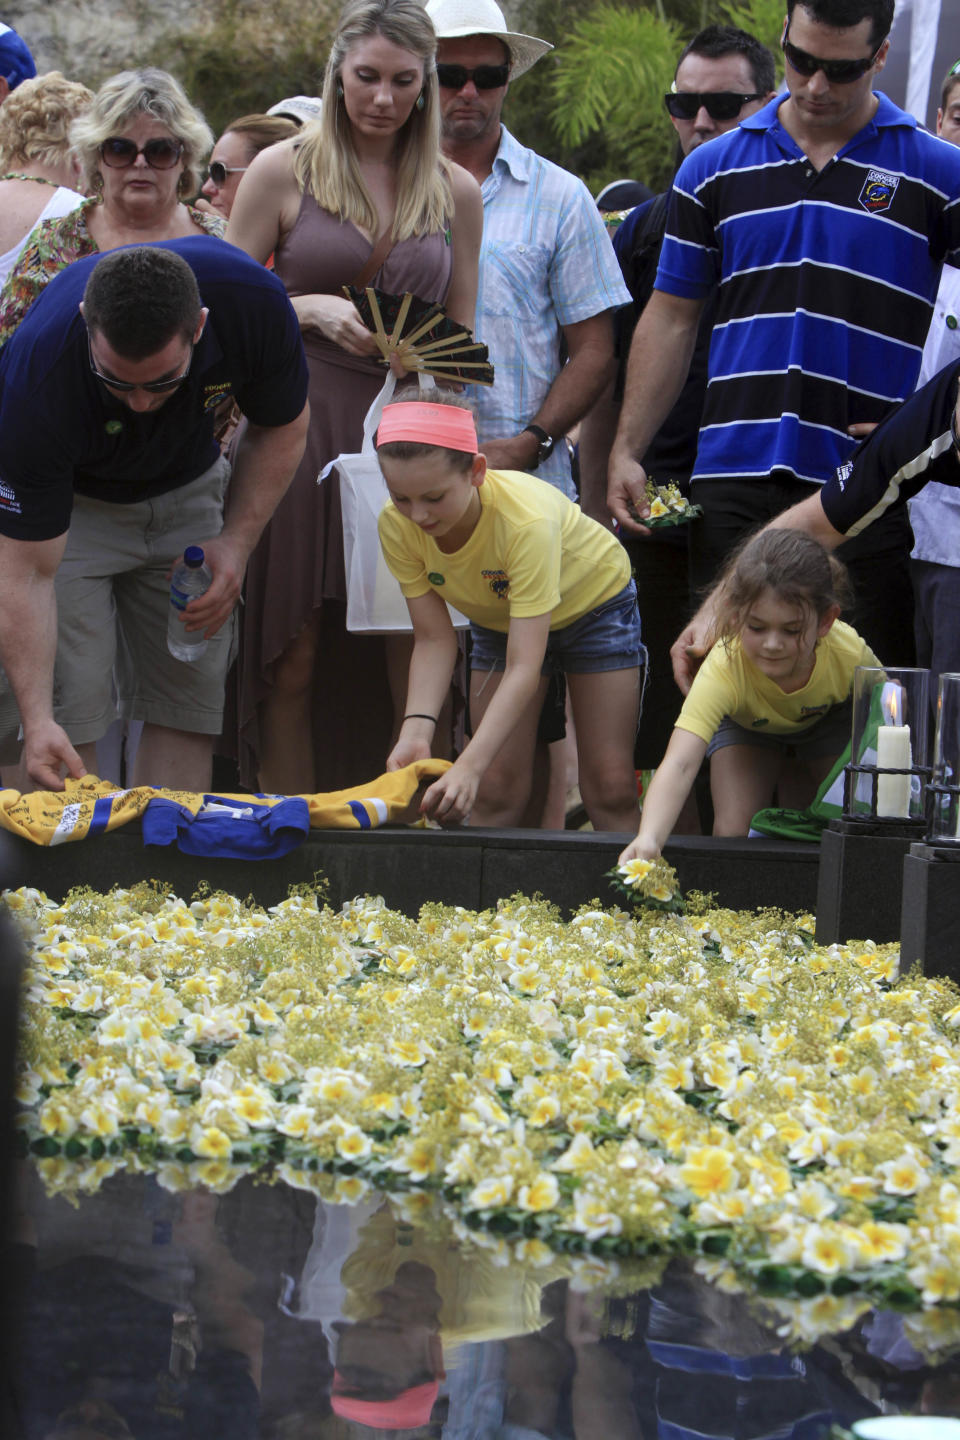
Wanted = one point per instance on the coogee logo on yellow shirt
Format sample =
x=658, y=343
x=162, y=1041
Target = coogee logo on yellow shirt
x=499, y=582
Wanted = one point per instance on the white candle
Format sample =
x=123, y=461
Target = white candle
x=893, y=753
x=907, y=1427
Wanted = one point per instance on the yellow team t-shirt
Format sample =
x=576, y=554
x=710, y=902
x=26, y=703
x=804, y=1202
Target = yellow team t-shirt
x=727, y=683
x=533, y=552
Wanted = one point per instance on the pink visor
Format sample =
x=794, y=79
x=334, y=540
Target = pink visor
x=444, y=425
x=405, y=1411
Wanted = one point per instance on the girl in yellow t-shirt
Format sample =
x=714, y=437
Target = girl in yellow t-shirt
x=776, y=685
x=545, y=587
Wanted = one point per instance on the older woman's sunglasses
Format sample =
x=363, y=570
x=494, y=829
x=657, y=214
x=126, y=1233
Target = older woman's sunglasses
x=484, y=77
x=118, y=152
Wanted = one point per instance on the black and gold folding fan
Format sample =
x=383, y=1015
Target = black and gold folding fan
x=421, y=336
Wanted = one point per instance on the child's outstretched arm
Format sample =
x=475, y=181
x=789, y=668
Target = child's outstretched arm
x=669, y=788
x=450, y=799
x=431, y=667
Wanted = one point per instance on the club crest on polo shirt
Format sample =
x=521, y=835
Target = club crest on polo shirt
x=878, y=191
x=499, y=582
x=213, y=394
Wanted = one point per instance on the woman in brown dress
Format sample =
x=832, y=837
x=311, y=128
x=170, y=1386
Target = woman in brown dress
x=367, y=178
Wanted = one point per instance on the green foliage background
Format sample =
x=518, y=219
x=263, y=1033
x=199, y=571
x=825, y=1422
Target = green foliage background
x=594, y=104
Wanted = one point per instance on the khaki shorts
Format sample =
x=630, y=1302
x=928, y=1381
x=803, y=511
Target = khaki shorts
x=9, y=724
x=113, y=593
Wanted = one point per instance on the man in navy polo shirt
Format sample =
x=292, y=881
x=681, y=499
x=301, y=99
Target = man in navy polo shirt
x=109, y=469
x=821, y=223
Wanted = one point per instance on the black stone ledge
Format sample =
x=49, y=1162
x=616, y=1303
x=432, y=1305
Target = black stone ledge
x=474, y=868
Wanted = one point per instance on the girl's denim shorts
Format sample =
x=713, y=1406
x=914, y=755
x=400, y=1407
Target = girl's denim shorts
x=607, y=638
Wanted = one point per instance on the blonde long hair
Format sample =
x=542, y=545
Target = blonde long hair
x=326, y=163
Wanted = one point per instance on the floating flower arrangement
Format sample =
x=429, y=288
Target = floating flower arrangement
x=620, y=1085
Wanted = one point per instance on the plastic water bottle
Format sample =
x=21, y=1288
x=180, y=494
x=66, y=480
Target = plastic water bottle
x=191, y=577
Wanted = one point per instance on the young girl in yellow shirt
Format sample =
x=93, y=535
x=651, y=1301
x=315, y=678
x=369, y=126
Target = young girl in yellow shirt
x=774, y=688
x=545, y=588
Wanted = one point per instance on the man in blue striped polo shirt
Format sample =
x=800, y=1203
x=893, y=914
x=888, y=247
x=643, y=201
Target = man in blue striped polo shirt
x=822, y=223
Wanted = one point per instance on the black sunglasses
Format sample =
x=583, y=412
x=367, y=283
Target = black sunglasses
x=153, y=387
x=118, y=152
x=835, y=72
x=719, y=104
x=484, y=77
x=218, y=172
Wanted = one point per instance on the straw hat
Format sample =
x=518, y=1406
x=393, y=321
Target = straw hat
x=453, y=19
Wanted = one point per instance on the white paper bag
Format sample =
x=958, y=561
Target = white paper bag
x=375, y=601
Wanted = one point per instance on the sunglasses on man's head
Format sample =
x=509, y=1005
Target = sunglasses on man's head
x=835, y=72
x=484, y=77
x=218, y=172
x=118, y=152
x=719, y=104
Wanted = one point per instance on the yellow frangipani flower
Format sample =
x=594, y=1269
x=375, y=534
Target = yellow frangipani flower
x=541, y=1194
x=635, y=870
x=578, y=1159
x=491, y=1194
x=709, y=1171
x=210, y=1142
x=903, y=1176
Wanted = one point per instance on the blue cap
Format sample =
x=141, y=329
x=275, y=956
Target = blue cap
x=193, y=556
x=16, y=62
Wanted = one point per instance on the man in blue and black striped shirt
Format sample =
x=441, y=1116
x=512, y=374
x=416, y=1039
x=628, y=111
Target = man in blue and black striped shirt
x=822, y=223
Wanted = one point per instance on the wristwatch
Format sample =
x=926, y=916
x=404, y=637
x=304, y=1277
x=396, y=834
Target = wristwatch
x=545, y=444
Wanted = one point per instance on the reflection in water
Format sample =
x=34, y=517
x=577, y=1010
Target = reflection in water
x=266, y=1312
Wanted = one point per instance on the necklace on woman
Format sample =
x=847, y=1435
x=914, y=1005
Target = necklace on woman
x=37, y=179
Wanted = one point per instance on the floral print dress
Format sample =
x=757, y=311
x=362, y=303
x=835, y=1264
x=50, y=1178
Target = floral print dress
x=53, y=246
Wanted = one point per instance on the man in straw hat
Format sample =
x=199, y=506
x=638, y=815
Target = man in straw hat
x=548, y=274
x=549, y=280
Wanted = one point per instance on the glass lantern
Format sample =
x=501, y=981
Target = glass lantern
x=944, y=810
x=889, y=751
